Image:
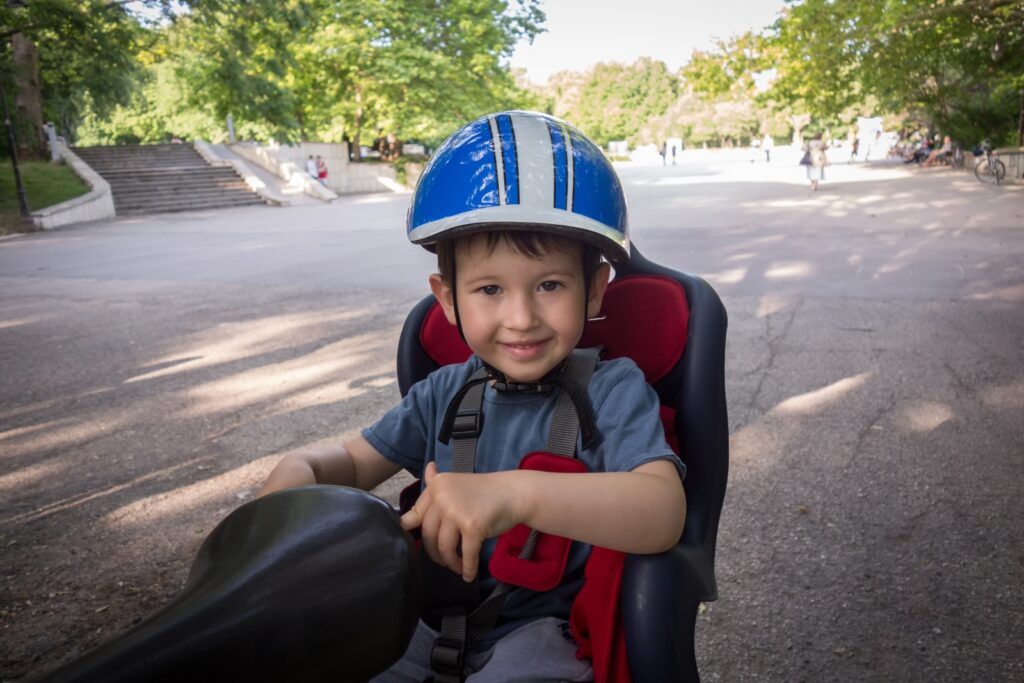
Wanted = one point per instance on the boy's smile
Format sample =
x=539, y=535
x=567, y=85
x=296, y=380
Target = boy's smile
x=521, y=315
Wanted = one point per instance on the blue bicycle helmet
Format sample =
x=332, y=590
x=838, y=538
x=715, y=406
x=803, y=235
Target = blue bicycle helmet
x=520, y=170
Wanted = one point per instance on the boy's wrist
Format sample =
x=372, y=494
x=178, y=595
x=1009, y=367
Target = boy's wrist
x=290, y=472
x=522, y=494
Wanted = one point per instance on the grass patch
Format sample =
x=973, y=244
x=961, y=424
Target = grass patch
x=45, y=183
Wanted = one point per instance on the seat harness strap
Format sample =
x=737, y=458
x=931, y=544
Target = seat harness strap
x=573, y=416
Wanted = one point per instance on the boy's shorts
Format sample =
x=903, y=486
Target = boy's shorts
x=537, y=651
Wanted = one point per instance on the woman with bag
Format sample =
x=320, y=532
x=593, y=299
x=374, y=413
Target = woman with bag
x=815, y=160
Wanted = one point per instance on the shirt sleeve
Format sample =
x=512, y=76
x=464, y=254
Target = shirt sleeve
x=628, y=418
x=402, y=435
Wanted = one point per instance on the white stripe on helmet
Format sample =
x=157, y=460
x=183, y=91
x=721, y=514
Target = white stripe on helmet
x=536, y=161
x=499, y=162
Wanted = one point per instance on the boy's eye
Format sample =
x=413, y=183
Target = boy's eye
x=550, y=285
x=489, y=290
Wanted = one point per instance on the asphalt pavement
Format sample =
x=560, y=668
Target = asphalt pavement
x=154, y=368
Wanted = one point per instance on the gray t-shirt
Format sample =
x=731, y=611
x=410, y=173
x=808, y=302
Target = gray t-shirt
x=626, y=412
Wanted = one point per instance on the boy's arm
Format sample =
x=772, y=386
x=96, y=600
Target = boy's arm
x=356, y=464
x=641, y=511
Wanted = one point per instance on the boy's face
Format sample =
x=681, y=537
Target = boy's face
x=521, y=315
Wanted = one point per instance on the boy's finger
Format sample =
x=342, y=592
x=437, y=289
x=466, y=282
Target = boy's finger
x=428, y=534
x=411, y=519
x=470, y=557
x=447, y=547
x=430, y=472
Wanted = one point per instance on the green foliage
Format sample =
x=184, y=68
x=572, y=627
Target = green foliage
x=239, y=59
x=329, y=69
x=158, y=111
x=959, y=63
x=284, y=69
x=729, y=70
x=614, y=101
x=325, y=68
x=86, y=53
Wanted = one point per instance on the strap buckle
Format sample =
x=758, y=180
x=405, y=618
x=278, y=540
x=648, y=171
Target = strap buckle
x=523, y=388
x=448, y=657
x=467, y=424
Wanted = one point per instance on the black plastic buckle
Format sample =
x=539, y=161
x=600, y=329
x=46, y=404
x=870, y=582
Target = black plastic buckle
x=448, y=658
x=517, y=387
x=467, y=424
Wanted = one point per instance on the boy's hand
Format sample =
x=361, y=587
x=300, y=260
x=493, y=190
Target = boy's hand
x=457, y=512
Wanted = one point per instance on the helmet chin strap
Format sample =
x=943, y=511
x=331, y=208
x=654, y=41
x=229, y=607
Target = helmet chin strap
x=455, y=300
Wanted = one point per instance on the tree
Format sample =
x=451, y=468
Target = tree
x=331, y=67
x=614, y=101
x=724, y=102
x=730, y=69
x=959, y=63
x=65, y=53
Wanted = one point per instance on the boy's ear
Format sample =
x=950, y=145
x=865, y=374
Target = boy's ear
x=443, y=293
x=597, y=289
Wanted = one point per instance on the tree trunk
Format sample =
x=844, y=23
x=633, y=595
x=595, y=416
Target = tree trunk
x=1020, y=122
x=357, y=150
x=28, y=102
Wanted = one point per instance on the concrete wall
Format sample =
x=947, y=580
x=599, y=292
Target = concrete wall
x=282, y=165
x=243, y=171
x=1013, y=157
x=413, y=171
x=343, y=177
x=97, y=204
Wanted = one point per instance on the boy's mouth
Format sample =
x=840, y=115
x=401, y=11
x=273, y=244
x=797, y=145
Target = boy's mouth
x=524, y=350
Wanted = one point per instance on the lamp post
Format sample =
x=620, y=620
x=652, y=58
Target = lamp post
x=26, y=214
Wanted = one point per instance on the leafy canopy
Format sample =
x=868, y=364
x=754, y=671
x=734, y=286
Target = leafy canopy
x=960, y=63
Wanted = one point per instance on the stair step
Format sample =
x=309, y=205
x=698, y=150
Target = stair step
x=140, y=201
x=117, y=164
x=180, y=191
x=128, y=150
x=167, y=207
x=141, y=159
x=187, y=195
x=179, y=183
x=121, y=171
x=151, y=176
x=166, y=178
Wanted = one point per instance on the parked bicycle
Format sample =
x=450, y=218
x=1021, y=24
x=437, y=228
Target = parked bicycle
x=989, y=168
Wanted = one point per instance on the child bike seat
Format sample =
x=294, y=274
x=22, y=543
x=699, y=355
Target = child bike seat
x=673, y=325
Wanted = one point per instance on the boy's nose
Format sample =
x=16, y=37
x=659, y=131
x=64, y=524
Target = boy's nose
x=520, y=314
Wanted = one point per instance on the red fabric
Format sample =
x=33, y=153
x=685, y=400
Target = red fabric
x=441, y=340
x=595, y=620
x=644, y=317
x=544, y=569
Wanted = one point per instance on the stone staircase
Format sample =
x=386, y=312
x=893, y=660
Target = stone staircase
x=163, y=178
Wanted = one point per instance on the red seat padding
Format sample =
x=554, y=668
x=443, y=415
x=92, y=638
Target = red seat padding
x=644, y=317
x=544, y=569
x=441, y=340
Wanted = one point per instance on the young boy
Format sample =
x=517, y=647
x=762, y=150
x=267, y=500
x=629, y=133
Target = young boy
x=519, y=208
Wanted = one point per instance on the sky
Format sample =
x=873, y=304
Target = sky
x=581, y=33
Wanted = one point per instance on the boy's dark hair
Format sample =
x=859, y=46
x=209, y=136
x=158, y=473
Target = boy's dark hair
x=529, y=243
